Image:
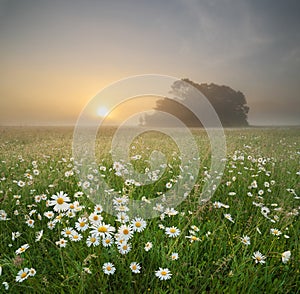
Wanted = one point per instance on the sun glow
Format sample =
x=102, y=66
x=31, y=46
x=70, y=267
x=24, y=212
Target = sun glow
x=102, y=111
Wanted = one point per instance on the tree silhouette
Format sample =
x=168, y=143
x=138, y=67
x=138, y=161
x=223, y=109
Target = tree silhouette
x=230, y=105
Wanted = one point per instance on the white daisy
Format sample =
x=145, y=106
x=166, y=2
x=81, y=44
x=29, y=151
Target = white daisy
x=163, y=274
x=22, y=275
x=75, y=237
x=93, y=240
x=108, y=268
x=174, y=256
x=285, y=256
x=138, y=224
x=148, y=246
x=275, y=232
x=245, y=240
x=22, y=249
x=102, y=229
x=125, y=232
x=107, y=241
x=124, y=248
x=60, y=202
x=258, y=257
x=135, y=267
x=172, y=232
x=228, y=216
x=61, y=242
x=82, y=224
x=95, y=218
x=67, y=232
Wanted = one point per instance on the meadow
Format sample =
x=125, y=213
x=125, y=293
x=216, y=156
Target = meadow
x=55, y=239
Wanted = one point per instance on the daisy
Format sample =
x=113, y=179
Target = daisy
x=107, y=241
x=124, y=248
x=275, y=232
x=49, y=214
x=172, y=232
x=163, y=274
x=38, y=235
x=122, y=217
x=22, y=249
x=174, y=256
x=93, y=240
x=30, y=223
x=75, y=236
x=6, y=286
x=125, y=232
x=108, y=268
x=98, y=208
x=228, y=216
x=148, y=246
x=51, y=225
x=61, y=243
x=170, y=211
x=258, y=257
x=138, y=224
x=285, y=256
x=102, y=229
x=67, y=232
x=95, y=218
x=245, y=240
x=22, y=275
x=15, y=235
x=60, y=202
x=135, y=267
x=192, y=238
x=82, y=224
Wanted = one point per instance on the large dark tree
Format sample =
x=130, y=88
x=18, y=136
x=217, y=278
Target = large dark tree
x=230, y=105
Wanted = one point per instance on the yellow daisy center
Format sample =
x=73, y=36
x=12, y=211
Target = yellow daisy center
x=102, y=229
x=23, y=275
x=60, y=200
x=163, y=273
x=95, y=218
x=134, y=267
x=125, y=232
x=107, y=241
x=108, y=268
x=194, y=238
x=68, y=232
x=75, y=236
x=82, y=224
x=138, y=224
x=93, y=239
x=172, y=230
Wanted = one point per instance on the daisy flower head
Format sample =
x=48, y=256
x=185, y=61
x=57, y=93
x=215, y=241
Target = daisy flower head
x=135, y=267
x=67, y=232
x=95, y=218
x=107, y=241
x=22, y=249
x=193, y=238
x=98, y=208
x=60, y=202
x=124, y=248
x=245, y=240
x=75, y=237
x=163, y=274
x=148, y=246
x=125, y=232
x=61, y=243
x=285, y=256
x=108, y=268
x=30, y=223
x=102, y=229
x=228, y=216
x=258, y=257
x=22, y=275
x=93, y=240
x=122, y=217
x=174, y=256
x=138, y=224
x=275, y=232
x=82, y=224
x=172, y=232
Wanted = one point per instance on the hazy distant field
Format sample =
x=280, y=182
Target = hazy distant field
x=255, y=210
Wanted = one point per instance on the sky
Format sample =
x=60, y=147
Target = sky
x=57, y=55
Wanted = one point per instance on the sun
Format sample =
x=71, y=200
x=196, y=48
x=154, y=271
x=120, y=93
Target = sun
x=102, y=111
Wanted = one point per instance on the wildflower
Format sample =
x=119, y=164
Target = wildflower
x=61, y=243
x=95, y=218
x=148, y=246
x=125, y=232
x=75, y=236
x=107, y=241
x=98, y=209
x=102, y=229
x=6, y=286
x=82, y=224
x=275, y=232
x=22, y=249
x=93, y=240
x=22, y=275
x=60, y=202
x=30, y=223
x=174, y=256
x=285, y=256
x=228, y=216
x=67, y=232
x=218, y=204
x=108, y=268
x=3, y=215
x=32, y=272
x=163, y=274
x=49, y=214
x=258, y=257
x=135, y=267
x=192, y=238
x=122, y=217
x=15, y=235
x=124, y=248
x=38, y=235
x=172, y=232
x=245, y=240
x=138, y=224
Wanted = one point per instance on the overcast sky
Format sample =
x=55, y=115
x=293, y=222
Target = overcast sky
x=56, y=55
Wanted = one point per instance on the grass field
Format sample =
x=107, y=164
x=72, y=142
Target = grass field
x=243, y=240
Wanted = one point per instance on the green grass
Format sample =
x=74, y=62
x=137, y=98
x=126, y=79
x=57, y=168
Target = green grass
x=217, y=263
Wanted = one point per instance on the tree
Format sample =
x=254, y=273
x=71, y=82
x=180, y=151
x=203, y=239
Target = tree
x=230, y=105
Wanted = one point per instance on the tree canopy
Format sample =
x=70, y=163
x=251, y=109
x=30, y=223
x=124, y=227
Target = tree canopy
x=230, y=105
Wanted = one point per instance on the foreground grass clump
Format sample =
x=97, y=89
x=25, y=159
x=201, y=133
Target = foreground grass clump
x=54, y=239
